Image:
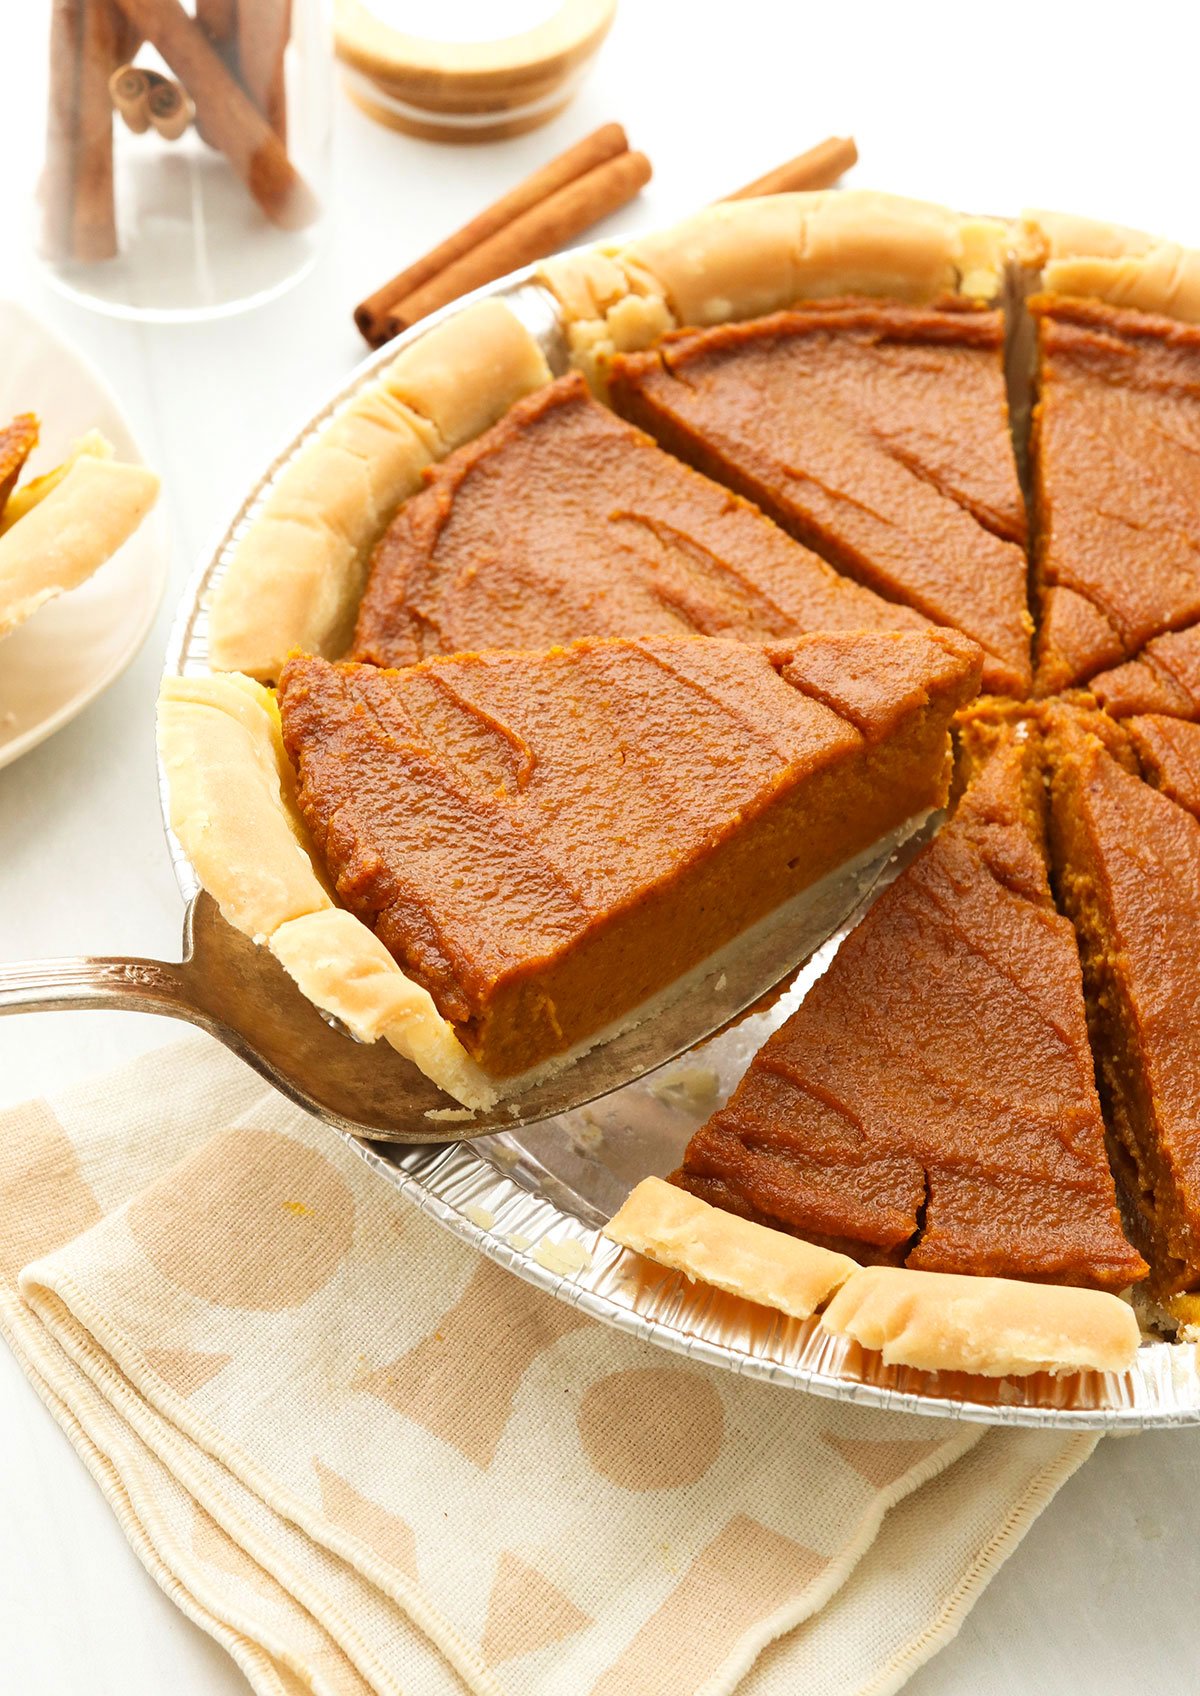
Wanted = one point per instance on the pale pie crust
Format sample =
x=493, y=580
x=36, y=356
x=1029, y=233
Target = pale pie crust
x=1102, y=261
x=743, y=258
x=934, y=1321
x=68, y=533
x=297, y=572
x=233, y=811
x=688, y=1235
x=997, y=1327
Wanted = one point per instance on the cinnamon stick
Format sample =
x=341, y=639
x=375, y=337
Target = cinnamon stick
x=129, y=89
x=93, y=210
x=168, y=108
x=218, y=21
x=263, y=30
x=608, y=142
x=820, y=167
x=57, y=188
x=228, y=115
x=542, y=230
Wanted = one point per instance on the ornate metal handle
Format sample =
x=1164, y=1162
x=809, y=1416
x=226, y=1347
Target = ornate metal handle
x=47, y=986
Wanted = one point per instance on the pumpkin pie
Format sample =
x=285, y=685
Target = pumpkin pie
x=931, y=1103
x=542, y=841
x=1116, y=435
x=563, y=520
x=742, y=258
x=934, y=1321
x=1127, y=862
x=875, y=433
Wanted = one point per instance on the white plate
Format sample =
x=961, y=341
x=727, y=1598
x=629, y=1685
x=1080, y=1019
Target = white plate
x=76, y=645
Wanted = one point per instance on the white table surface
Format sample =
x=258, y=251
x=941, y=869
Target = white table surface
x=980, y=108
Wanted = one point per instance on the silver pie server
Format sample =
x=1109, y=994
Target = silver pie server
x=239, y=993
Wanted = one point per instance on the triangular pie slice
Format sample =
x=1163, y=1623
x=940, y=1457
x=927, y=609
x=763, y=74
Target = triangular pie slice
x=564, y=521
x=931, y=1103
x=1128, y=868
x=1164, y=678
x=1116, y=492
x=876, y=434
x=544, y=840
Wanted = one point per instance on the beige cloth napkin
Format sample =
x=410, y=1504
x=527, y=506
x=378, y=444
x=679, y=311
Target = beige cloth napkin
x=366, y=1460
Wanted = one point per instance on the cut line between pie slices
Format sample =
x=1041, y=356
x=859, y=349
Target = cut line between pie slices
x=563, y=520
x=876, y=434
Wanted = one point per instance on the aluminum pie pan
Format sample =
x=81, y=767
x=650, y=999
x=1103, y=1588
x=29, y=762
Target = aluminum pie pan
x=534, y=1201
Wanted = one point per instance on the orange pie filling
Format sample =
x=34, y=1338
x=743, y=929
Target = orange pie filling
x=1116, y=433
x=564, y=521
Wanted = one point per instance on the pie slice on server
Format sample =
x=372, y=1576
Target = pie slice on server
x=530, y=844
x=544, y=840
x=875, y=433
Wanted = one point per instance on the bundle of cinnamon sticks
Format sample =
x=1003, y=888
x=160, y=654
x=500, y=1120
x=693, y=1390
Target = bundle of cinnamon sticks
x=549, y=209
x=229, y=59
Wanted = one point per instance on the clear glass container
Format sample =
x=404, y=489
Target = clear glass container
x=186, y=170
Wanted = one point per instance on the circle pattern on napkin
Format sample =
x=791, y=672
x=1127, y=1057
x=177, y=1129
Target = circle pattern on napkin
x=252, y=1220
x=651, y=1428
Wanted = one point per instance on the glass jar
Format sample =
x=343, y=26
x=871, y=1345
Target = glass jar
x=187, y=156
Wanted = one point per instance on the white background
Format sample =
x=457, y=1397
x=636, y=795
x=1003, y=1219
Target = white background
x=985, y=108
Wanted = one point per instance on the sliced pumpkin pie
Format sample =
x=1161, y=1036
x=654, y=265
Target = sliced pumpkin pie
x=873, y=432
x=1115, y=449
x=931, y=1103
x=544, y=840
x=1128, y=867
x=562, y=521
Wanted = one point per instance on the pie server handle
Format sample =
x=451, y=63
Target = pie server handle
x=238, y=993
